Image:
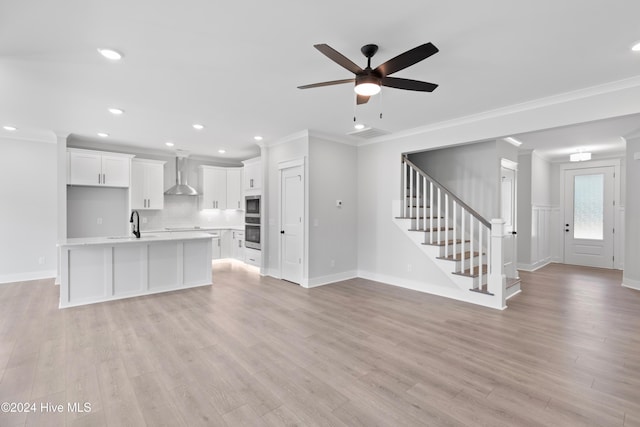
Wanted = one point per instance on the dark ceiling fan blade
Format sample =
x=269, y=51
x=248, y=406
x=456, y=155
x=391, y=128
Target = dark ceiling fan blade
x=408, y=84
x=333, y=82
x=407, y=59
x=338, y=58
x=361, y=99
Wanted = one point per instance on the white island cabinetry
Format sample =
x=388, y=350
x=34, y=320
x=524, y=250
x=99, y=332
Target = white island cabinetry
x=102, y=269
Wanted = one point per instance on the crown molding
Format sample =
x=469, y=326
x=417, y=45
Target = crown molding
x=560, y=98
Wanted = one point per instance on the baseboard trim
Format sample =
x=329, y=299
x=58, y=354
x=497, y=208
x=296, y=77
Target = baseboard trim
x=331, y=278
x=432, y=289
x=25, y=277
x=631, y=283
x=535, y=266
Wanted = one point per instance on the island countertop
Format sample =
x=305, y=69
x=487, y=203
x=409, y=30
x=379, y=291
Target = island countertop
x=144, y=238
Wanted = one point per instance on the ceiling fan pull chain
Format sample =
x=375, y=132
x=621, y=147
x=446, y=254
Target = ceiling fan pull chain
x=380, y=101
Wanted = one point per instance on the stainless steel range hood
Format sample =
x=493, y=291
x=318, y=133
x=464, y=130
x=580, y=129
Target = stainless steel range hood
x=181, y=188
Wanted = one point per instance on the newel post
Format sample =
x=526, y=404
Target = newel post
x=497, y=280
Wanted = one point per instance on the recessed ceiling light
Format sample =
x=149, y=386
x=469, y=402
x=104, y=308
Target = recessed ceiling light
x=111, y=54
x=257, y=138
x=198, y=126
x=103, y=134
x=222, y=151
x=513, y=141
x=358, y=126
x=636, y=47
x=169, y=144
x=10, y=128
x=116, y=111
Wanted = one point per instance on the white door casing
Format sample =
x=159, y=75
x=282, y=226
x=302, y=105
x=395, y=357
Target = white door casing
x=292, y=223
x=508, y=212
x=589, y=215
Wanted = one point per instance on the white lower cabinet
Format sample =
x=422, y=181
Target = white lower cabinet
x=252, y=257
x=237, y=243
x=216, y=247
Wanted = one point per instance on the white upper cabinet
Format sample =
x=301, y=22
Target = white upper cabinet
x=97, y=168
x=147, y=184
x=234, y=188
x=213, y=187
x=221, y=188
x=253, y=174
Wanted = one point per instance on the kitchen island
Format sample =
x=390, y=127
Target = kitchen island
x=109, y=268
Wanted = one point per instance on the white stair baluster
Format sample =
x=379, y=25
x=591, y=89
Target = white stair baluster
x=462, y=237
x=455, y=228
x=431, y=212
x=439, y=214
x=471, y=238
x=446, y=224
x=424, y=203
x=480, y=233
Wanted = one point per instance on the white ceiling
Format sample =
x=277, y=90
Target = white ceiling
x=235, y=66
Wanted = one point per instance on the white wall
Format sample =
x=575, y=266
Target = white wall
x=28, y=216
x=382, y=248
x=333, y=230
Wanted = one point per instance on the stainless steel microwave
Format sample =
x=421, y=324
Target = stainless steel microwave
x=252, y=205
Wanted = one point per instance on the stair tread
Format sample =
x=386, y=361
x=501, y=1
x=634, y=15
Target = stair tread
x=414, y=217
x=481, y=290
x=467, y=255
x=445, y=242
x=467, y=272
x=430, y=229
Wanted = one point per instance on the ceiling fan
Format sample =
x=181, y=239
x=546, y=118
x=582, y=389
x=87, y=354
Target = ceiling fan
x=369, y=81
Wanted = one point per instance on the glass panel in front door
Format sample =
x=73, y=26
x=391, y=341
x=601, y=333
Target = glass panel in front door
x=588, y=207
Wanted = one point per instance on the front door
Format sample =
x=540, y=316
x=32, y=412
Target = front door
x=291, y=220
x=589, y=213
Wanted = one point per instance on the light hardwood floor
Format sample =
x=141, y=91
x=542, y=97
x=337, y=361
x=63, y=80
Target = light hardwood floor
x=258, y=351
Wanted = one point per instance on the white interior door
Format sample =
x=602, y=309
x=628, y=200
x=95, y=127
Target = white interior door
x=508, y=200
x=589, y=213
x=292, y=225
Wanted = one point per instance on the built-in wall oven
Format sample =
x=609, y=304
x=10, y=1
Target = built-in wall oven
x=252, y=222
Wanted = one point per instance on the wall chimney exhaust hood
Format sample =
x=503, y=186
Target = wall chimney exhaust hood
x=181, y=189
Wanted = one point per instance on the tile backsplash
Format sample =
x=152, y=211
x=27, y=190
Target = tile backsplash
x=182, y=211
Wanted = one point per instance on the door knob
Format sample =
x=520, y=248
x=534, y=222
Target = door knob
x=281, y=231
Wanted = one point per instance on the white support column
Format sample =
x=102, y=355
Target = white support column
x=497, y=280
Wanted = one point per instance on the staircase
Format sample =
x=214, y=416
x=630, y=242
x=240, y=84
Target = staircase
x=463, y=244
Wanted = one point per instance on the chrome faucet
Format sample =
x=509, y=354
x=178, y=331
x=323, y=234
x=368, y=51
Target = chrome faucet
x=135, y=227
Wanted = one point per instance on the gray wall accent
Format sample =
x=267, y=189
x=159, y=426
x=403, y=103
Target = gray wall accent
x=333, y=172
x=86, y=206
x=471, y=172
